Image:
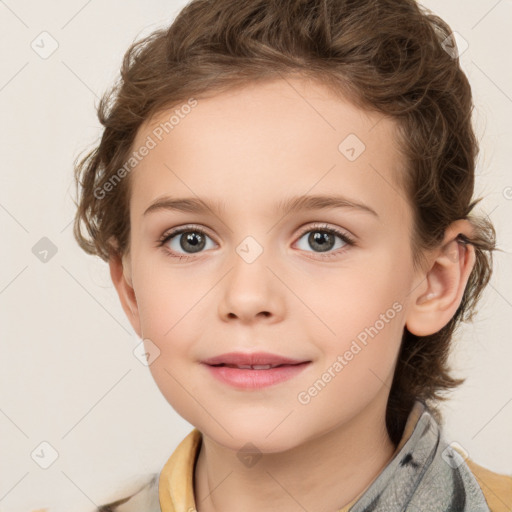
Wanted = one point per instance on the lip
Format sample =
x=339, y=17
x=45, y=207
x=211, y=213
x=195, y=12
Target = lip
x=248, y=378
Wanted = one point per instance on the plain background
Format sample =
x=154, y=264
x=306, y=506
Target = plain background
x=68, y=376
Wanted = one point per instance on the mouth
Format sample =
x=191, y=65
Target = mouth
x=252, y=377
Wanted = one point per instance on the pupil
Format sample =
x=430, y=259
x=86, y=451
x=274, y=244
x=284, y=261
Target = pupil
x=195, y=240
x=321, y=239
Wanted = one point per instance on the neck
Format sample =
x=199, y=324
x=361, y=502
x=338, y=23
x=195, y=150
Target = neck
x=326, y=473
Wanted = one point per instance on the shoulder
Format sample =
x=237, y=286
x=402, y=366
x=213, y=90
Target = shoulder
x=496, y=487
x=139, y=497
x=144, y=498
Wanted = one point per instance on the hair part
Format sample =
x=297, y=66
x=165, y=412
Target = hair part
x=384, y=56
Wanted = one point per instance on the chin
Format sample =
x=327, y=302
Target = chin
x=265, y=437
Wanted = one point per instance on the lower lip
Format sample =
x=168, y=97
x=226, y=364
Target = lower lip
x=256, y=379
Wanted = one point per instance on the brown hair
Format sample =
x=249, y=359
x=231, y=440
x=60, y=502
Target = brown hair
x=384, y=55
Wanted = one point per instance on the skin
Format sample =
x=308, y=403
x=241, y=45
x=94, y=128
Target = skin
x=252, y=148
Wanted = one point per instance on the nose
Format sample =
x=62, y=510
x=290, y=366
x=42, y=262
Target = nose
x=251, y=291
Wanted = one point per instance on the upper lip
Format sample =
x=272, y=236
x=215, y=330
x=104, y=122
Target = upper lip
x=256, y=358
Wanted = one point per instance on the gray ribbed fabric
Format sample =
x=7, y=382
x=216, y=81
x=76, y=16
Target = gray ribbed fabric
x=426, y=475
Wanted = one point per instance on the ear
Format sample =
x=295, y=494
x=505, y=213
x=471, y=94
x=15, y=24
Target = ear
x=120, y=272
x=436, y=301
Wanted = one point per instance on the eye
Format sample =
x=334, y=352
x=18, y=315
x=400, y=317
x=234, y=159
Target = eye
x=323, y=239
x=191, y=240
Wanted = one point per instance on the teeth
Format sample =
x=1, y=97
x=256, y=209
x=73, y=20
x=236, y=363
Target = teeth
x=251, y=367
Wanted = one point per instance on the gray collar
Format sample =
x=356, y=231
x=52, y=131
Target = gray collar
x=426, y=474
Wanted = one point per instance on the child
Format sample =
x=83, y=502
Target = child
x=260, y=132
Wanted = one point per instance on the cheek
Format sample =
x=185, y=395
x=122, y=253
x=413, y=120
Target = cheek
x=172, y=307
x=167, y=301
x=346, y=300
x=177, y=388
x=362, y=314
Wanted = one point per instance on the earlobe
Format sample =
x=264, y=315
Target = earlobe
x=436, y=302
x=120, y=273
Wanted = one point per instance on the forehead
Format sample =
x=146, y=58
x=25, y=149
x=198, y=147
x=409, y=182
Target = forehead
x=254, y=144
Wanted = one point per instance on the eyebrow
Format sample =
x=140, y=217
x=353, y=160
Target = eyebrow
x=290, y=205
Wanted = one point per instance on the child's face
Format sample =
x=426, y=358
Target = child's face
x=252, y=150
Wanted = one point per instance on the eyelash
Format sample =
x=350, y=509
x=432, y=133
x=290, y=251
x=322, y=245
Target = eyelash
x=196, y=229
